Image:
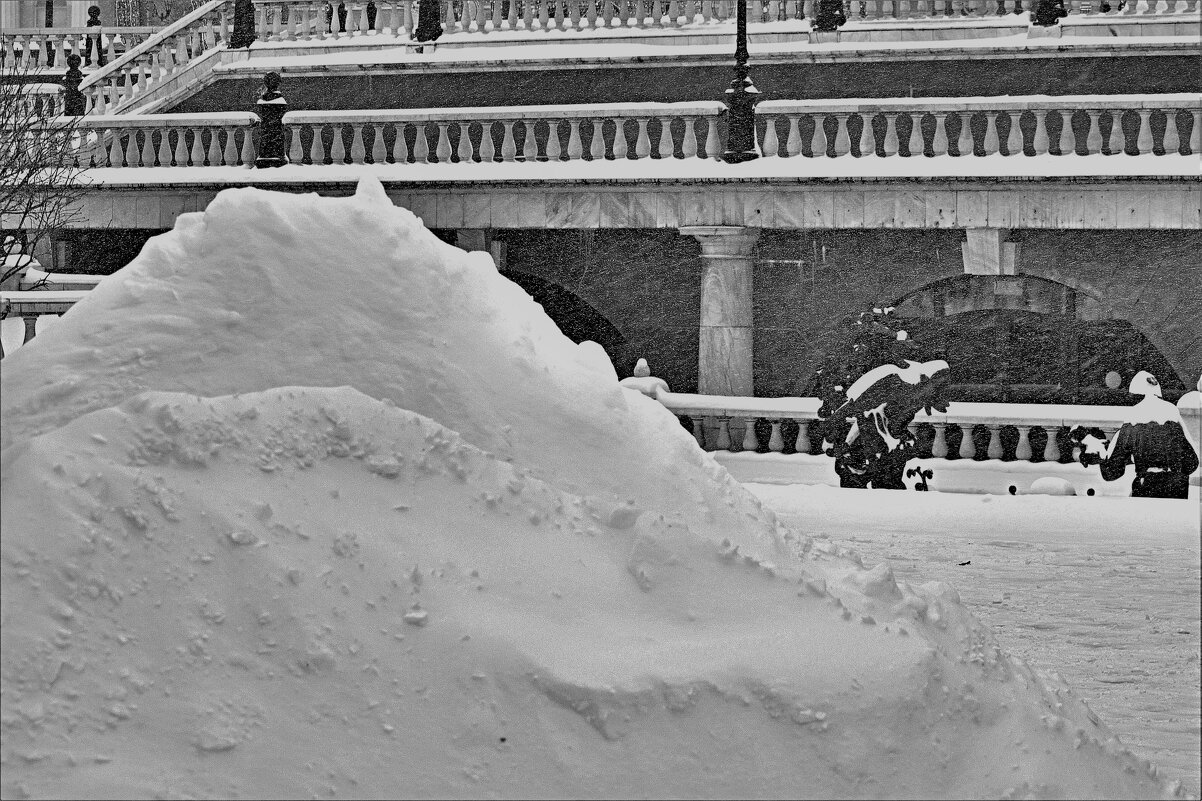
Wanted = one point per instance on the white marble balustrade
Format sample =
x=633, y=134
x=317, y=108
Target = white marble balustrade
x=157, y=59
x=510, y=133
x=304, y=20
x=982, y=126
x=166, y=140
x=723, y=423
x=29, y=48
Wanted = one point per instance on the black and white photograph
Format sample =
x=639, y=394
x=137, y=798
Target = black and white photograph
x=600, y=399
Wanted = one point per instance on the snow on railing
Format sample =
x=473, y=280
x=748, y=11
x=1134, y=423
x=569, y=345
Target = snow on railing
x=25, y=49
x=305, y=20
x=782, y=425
x=217, y=139
x=515, y=133
x=982, y=126
x=30, y=305
x=157, y=59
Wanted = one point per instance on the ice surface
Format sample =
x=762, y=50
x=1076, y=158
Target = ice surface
x=447, y=553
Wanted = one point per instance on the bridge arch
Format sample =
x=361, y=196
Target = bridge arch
x=1025, y=338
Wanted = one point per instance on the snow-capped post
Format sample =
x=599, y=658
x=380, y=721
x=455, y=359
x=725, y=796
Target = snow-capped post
x=73, y=100
x=94, y=39
x=271, y=108
x=741, y=98
x=642, y=381
x=244, y=24
x=1045, y=19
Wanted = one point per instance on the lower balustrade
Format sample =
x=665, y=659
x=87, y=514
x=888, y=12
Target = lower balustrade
x=967, y=431
x=32, y=305
x=165, y=140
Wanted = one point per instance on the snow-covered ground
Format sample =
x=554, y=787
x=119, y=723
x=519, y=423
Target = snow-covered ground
x=444, y=551
x=1104, y=591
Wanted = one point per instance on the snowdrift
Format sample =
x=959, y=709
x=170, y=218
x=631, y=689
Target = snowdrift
x=275, y=527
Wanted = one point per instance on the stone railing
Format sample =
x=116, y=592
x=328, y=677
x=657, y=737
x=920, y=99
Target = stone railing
x=218, y=139
x=39, y=99
x=970, y=431
x=289, y=20
x=29, y=48
x=160, y=57
x=982, y=126
x=515, y=133
x=33, y=304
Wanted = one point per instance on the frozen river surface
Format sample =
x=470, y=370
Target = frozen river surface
x=1103, y=591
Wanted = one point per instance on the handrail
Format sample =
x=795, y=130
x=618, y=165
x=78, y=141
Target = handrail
x=130, y=56
x=992, y=103
x=567, y=111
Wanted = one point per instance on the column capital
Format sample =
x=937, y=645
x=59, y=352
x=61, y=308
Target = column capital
x=724, y=240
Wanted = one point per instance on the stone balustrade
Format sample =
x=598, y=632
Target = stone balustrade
x=25, y=49
x=30, y=305
x=40, y=100
x=219, y=139
x=982, y=126
x=304, y=20
x=970, y=431
x=157, y=59
x=514, y=133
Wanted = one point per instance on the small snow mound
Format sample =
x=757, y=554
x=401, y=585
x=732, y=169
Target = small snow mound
x=1051, y=485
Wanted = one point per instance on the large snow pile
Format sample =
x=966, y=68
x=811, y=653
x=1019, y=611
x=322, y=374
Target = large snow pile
x=306, y=502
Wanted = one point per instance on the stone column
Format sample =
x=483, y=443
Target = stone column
x=724, y=357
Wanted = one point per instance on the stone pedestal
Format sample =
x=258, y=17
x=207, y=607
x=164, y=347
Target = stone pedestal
x=724, y=356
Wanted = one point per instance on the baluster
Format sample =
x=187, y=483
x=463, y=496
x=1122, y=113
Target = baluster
x=337, y=147
x=214, y=154
x=713, y=147
x=1143, y=140
x=358, y=148
x=689, y=148
x=409, y=22
x=891, y=144
x=421, y=145
x=867, y=138
x=296, y=153
x=596, y=149
x=229, y=156
x=133, y=156
x=1093, y=139
x=750, y=441
x=1014, y=139
x=575, y=146
x=698, y=429
x=452, y=23
x=464, y=151
x=842, y=138
x=967, y=449
x=776, y=443
x=542, y=14
x=497, y=8
x=818, y=140
x=723, y=433
x=916, y=146
x=657, y=11
x=995, y=442
x=180, y=156
x=147, y=148
x=965, y=146
x=667, y=147
x=116, y=152
x=1115, y=136
x=197, y=155
x=317, y=148
x=642, y=147
x=793, y=143
x=1171, y=141
x=379, y=154
x=575, y=13
x=1023, y=451
x=991, y=144
x=1051, y=450
x=558, y=14
x=442, y=150
x=771, y=145
x=487, y=149
x=553, y=150
x=529, y=144
x=31, y=327
x=939, y=445
x=164, y=154
x=939, y=140
x=305, y=33
x=802, y=445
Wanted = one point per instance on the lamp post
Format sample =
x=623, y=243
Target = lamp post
x=741, y=98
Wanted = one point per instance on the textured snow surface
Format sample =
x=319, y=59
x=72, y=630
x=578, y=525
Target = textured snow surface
x=448, y=553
